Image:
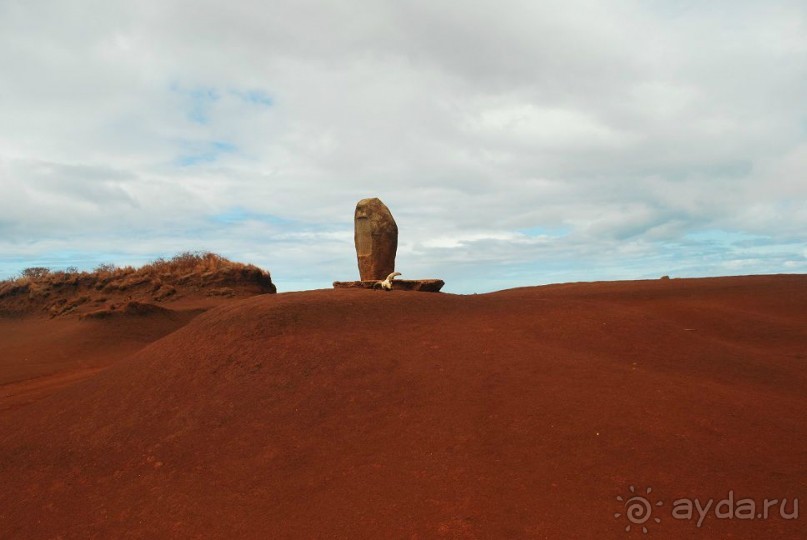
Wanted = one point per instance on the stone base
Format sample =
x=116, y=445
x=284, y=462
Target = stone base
x=423, y=285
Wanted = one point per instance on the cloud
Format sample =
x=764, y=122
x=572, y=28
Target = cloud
x=626, y=129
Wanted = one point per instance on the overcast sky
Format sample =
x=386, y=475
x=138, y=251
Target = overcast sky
x=515, y=142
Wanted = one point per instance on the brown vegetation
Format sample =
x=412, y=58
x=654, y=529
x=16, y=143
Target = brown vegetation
x=109, y=287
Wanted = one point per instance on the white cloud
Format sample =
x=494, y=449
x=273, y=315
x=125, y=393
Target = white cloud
x=126, y=128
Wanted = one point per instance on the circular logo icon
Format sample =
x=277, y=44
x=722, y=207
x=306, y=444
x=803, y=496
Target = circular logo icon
x=638, y=509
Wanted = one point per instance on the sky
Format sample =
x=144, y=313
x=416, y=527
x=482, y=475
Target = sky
x=516, y=142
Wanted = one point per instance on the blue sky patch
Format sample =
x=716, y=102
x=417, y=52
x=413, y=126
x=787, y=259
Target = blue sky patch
x=254, y=97
x=201, y=153
x=199, y=100
x=238, y=214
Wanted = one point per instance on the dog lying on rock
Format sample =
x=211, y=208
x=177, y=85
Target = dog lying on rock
x=387, y=283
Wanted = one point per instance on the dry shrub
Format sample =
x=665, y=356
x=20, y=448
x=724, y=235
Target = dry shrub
x=105, y=268
x=35, y=272
x=187, y=262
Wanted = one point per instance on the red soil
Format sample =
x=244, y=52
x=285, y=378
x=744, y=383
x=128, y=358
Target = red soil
x=366, y=414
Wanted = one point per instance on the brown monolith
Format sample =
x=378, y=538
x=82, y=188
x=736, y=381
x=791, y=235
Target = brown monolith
x=376, y=238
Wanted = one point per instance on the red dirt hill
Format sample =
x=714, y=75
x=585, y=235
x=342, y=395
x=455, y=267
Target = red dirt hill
x=365, y=414
x=51, y=329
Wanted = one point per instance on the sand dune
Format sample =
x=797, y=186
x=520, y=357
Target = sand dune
x=364, y=414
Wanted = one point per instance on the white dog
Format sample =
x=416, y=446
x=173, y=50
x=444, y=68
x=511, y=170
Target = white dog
x=387, y=283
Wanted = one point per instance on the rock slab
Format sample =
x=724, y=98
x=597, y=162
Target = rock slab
x=376, y=238
x=423, y=285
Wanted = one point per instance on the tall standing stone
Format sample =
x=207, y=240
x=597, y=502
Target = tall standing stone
x=376, y=237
